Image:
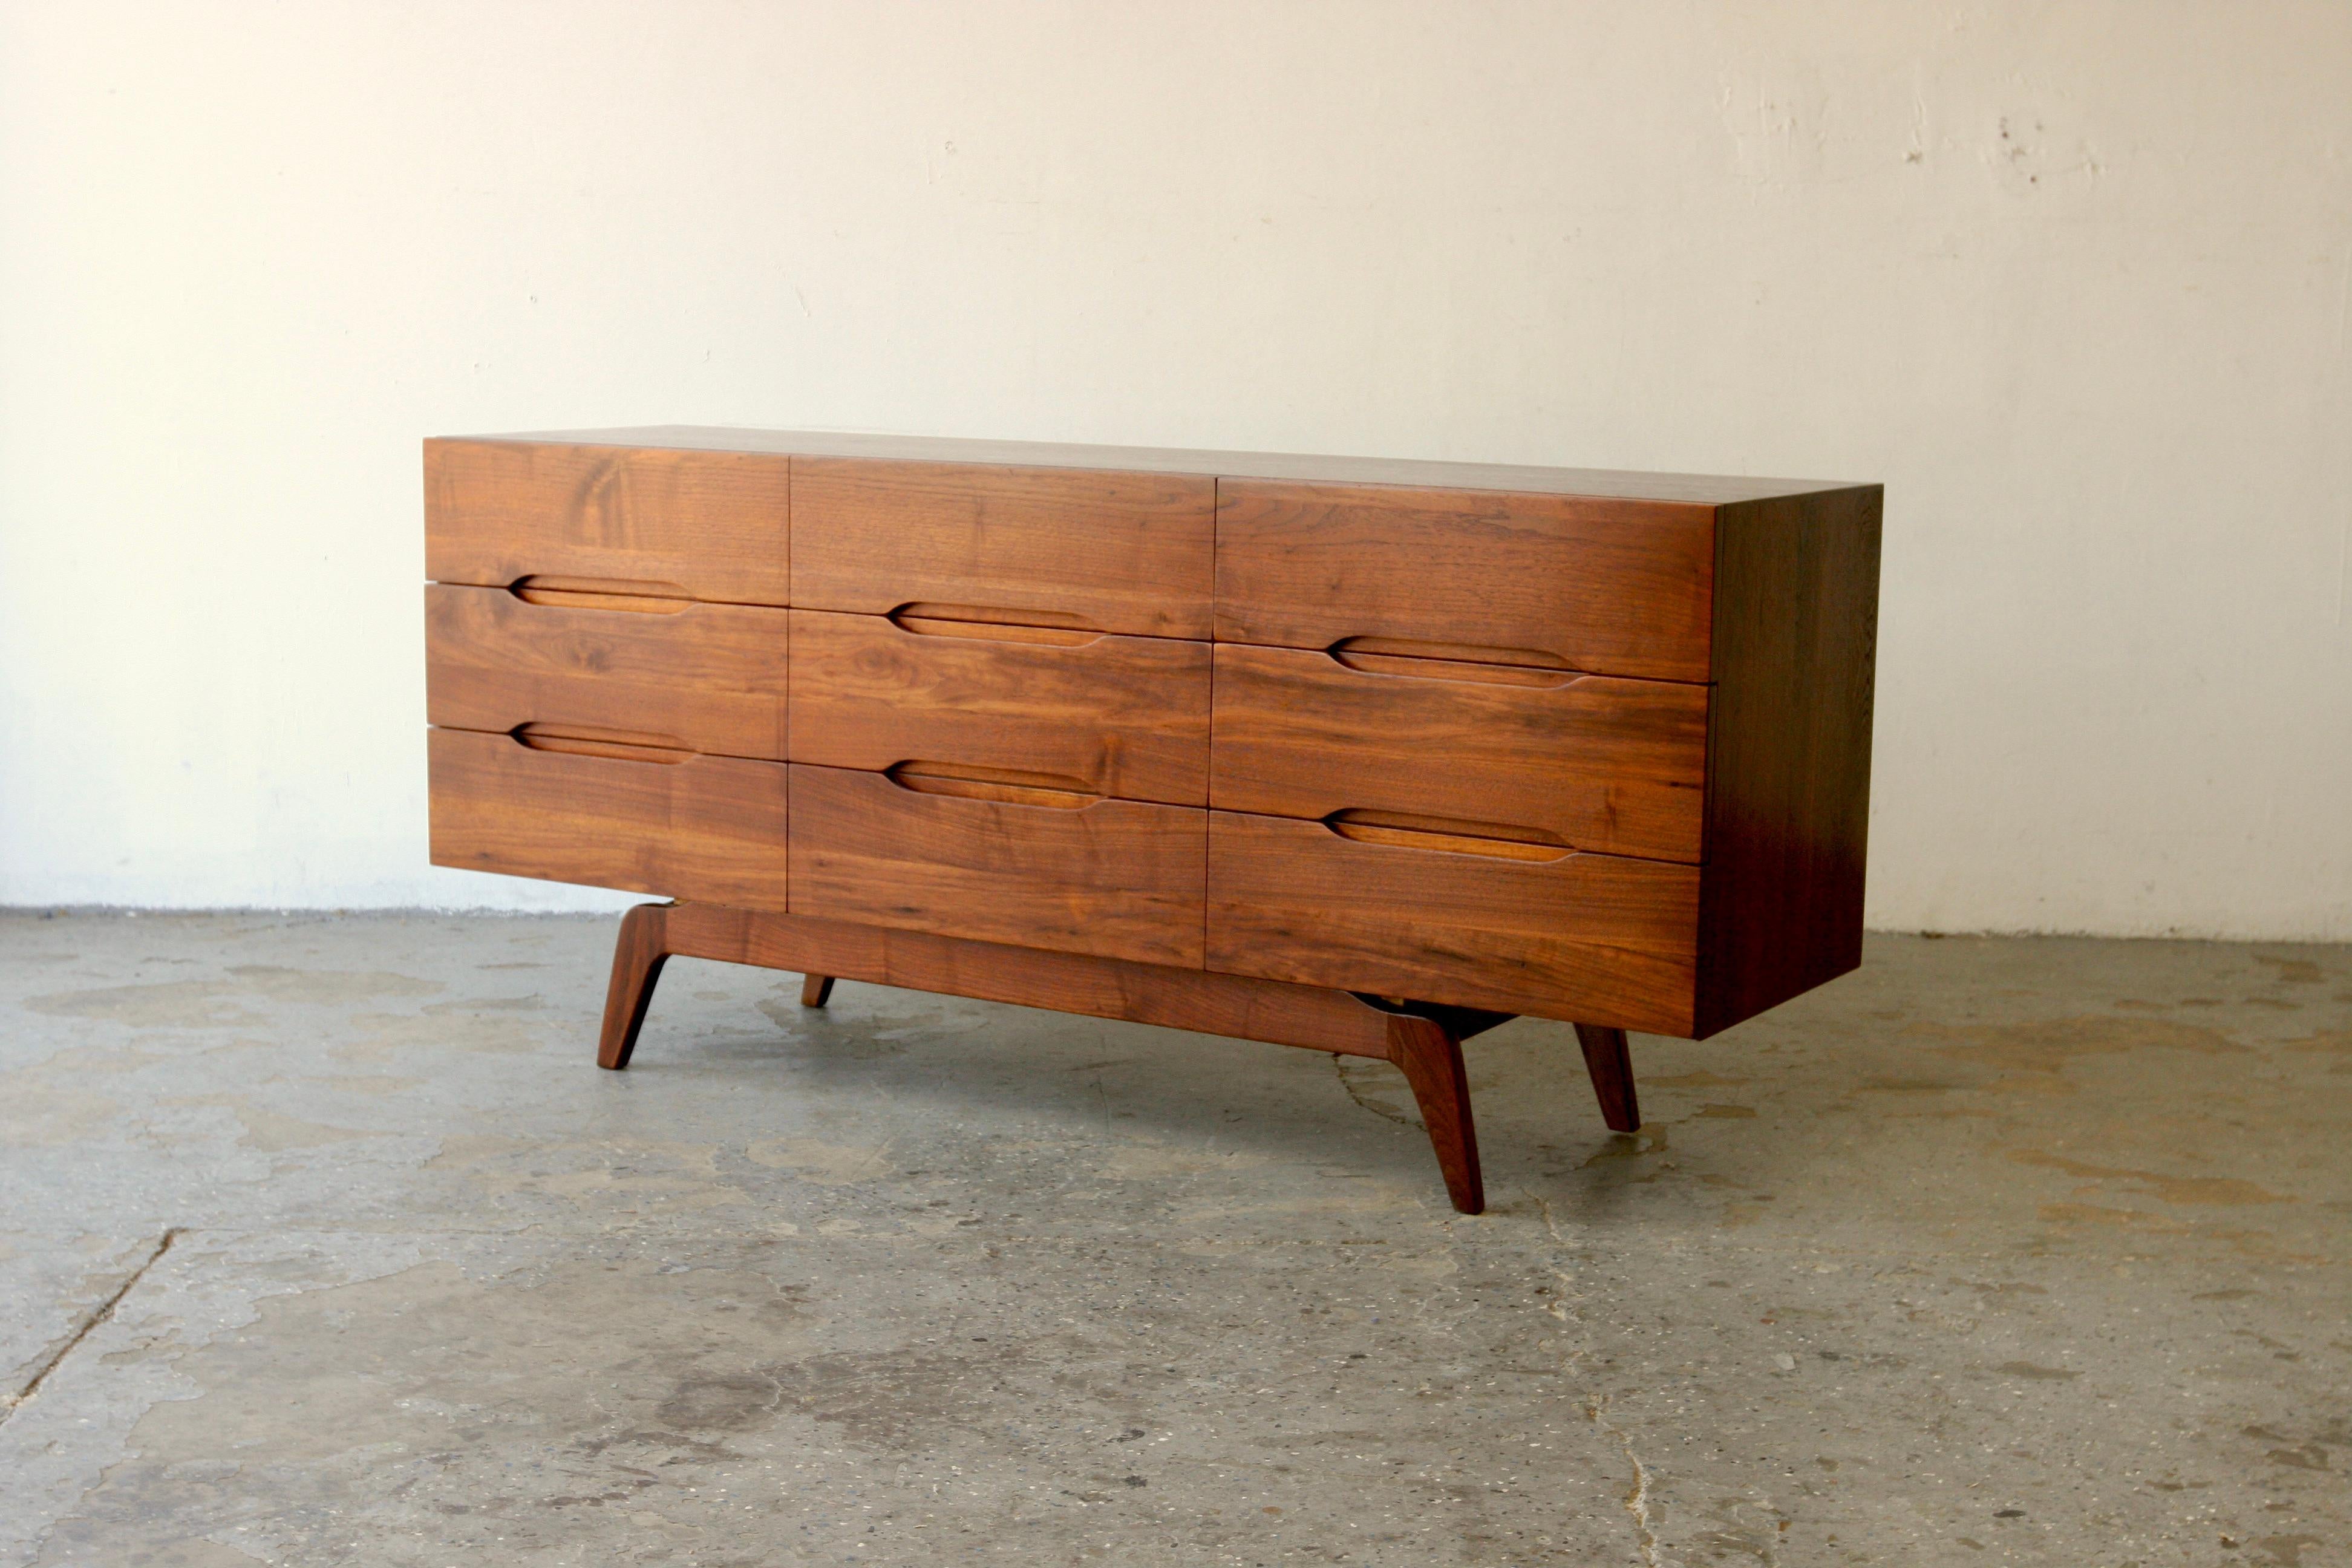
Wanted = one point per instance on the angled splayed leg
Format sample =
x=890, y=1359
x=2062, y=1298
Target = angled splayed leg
x=1611, y=1066
x=638, y=959
x=1431, y=1056
x=816, y=990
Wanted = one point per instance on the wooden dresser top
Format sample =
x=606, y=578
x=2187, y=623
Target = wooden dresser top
x=1698, y=489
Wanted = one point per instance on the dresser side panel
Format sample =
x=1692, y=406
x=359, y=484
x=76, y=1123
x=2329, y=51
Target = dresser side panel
x=1787, y=806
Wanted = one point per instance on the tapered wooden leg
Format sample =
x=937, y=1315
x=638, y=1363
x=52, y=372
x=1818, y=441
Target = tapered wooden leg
x=815, y=990
x=1611, y=1066
x=638, y=959
x=1431, y=1056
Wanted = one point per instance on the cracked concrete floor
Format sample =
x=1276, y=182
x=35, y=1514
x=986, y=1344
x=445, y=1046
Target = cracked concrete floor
x=326, y=1242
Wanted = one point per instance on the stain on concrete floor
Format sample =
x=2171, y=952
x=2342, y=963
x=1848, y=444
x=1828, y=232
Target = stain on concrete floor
x=2024, y=1251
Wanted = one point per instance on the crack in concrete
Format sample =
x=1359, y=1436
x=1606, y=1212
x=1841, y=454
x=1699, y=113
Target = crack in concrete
x=1339, y=1067
x=1571, y=1296
x=1777, y=1521
x=1543, y=1206
x=89, y=1325
x=1637, y=1501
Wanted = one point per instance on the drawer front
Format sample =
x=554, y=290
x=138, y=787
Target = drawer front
x=1580, y=762
x=1596, y=939
x=1119, y=879
x=699, y=525
x=1090, y=549
x=1095, y=715
x=696, y=676
x=707, y=828
x=1612, y=588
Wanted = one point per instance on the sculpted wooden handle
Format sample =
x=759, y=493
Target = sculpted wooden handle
x=1451, y=661
x=1008, y=784
x=587, y=741
x=602, y=594
x=1453, y=837
x=1048, y=628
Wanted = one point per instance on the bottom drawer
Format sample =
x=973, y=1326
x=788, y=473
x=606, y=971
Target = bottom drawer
x=1597, y=939
x=698, y=828
x=1115, y=878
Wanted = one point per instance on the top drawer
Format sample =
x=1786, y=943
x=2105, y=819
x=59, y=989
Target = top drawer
x=1610, y=587
x=1083, y=548
x=694, y=525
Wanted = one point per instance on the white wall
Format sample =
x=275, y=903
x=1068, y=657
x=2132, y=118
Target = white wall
x=2073, y=280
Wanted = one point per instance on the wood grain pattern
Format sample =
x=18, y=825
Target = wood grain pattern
x=713, y=525
x=1609, y=1062
x=1116, y=879
x=1788, y=811
x=1120, y=551
x=1120, y=716
x=711, y=677
x=1700, y=489
x=707, y=827
x=1588, y=937
x=1594, y=761
x=1605, y=587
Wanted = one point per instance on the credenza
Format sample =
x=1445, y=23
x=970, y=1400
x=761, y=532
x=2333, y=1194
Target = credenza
x=1359, y=755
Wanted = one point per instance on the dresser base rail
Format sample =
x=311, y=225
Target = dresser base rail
x=1424, y=1040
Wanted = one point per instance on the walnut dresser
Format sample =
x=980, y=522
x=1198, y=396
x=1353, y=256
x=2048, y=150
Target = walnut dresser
x=1357, y=755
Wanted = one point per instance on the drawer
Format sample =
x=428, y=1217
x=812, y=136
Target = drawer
x=697, y=525
x=683, y=827
x=1582, y=762
x=1596, y=939
x=1090, y=549
x=696, y=676
x=1093, y=715
x=1612, y=588
x=1115, y=878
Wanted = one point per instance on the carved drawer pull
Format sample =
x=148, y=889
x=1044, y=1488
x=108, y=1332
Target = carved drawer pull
x=1007, y=784
x=1049, y=628
x=602, y=594
x=1451, y=661
x=586, y=741
x=1498, y=840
